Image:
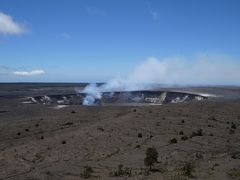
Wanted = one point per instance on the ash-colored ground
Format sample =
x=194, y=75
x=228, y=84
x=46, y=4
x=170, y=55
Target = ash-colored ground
x=41, y=142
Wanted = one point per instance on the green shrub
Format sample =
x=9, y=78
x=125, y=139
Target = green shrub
x=87, y=172
x=173, y=141
x=181, y=132
x=188, y=168
x=120, y=171
x=151, y=157
x=184, y=138
x=233, y=126
x=234, y=173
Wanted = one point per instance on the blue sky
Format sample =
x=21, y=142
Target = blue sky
x=93, y=40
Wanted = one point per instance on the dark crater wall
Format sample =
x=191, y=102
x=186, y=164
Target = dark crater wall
x=121, y=97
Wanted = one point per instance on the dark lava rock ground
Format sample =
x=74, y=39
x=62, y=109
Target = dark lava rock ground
x=77, y=142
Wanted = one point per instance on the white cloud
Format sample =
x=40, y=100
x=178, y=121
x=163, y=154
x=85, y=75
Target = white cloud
x=9, y=26
x=29, y=73
x=65, y=35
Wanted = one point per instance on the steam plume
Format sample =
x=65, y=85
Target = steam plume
x=202, y=70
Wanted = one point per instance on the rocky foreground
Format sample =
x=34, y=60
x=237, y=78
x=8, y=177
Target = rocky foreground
x=199, y=140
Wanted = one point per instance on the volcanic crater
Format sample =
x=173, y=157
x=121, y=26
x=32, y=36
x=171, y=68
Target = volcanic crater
x=138, y=98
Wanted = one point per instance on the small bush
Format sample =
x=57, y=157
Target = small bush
x=173, y=141
x=212, y=118
x=209, y=125
x=137, y=146
x=182, y=121
x=184, y=138
x=161, y=168
x=197, y=133
x=87, y=172
x=234, y=173
x=236, y=155
x=233, y=126
x=188, y=168
x=181, y=133
x=139, y=135
x=122, y=172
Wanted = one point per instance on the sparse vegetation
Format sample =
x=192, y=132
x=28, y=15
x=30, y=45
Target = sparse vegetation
x=151, y=157
x=234, y=173
x=197, y=133
x=161, y=168
x=177, y=176
x=87, y=172
x=233, y=126
x=199, y=155
x=139, y=135
x=236, y=155
x=184, y=138
x=188, y=169
x=182, y=121
x=137, y=146
x=120, y=171
x=173, y=141
x=212, y=118
x=181, y=133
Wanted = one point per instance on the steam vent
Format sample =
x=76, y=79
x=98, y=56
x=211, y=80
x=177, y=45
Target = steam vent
x=140, y=98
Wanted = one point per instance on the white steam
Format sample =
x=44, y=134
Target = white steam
x=201, y=70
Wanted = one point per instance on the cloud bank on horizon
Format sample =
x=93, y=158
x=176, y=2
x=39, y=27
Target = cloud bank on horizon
x=8, y=26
